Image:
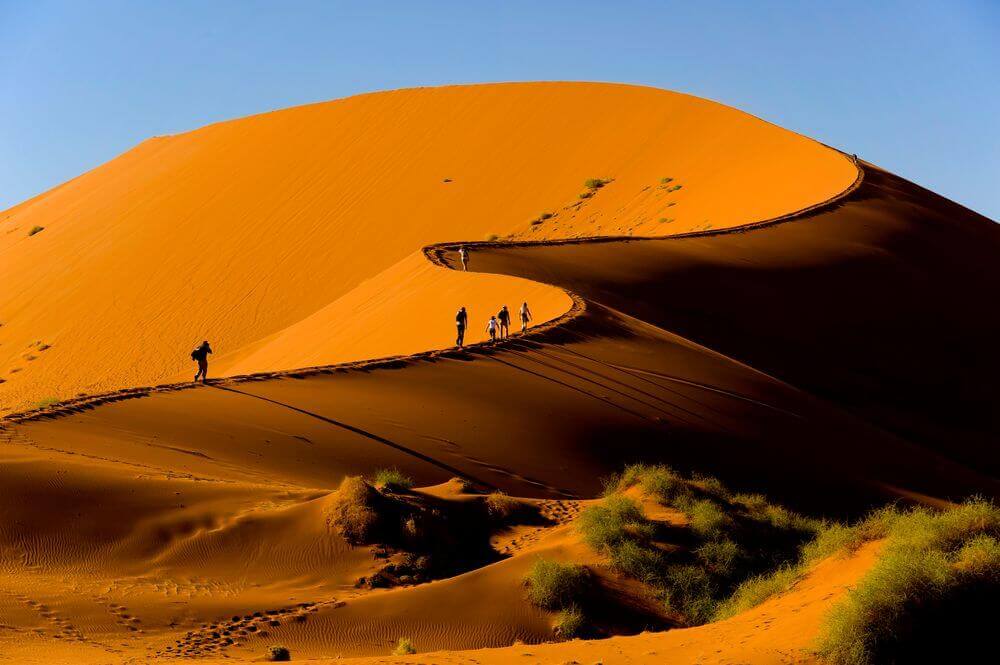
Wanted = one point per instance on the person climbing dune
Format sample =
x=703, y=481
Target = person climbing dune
x=525, y=316
x=200, y=354
x=491, y=328
x=504, y=317
x=461, y=322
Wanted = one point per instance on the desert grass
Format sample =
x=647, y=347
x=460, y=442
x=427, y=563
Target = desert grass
x=595, y=183
x=501, y=506
x=46, y=402
x=932, y=563
x=352, y=512
x=553, y=585
x=35, y=229
x=404, y=647
x=391, y=479
x=569, y=622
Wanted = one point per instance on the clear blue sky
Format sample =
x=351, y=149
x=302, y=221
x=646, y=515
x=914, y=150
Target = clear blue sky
x=912, y=86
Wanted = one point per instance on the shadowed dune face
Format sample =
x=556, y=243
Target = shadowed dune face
x=284, y=237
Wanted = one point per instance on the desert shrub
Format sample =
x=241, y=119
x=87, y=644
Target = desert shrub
x=35, y=229
x=707, y=518
x=586, y=195
x=391, y=479
x=553, y=585
x=501, y=506
x=545, y=215
x=664, y=484
x=595, y=183
x=46, y=402
x=613, y=521
x=720, y=556
x=352, y=511
x=937, y=568
x=278, y=654
x=404, y=647
x=645, y=564
x=690, y=590
x=569, y=622
x=664, y=181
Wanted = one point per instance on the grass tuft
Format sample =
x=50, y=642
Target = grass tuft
x=595, y=183
x=278, y=654
x=569, y=622
x=404, y=647
x=501, y=506
x=35, y=229
x=553, y=585
x=352, y=511
x=391, y=479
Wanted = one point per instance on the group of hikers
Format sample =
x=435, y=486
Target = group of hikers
x=498, y=326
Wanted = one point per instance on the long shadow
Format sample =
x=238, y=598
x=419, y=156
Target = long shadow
x=360, y=432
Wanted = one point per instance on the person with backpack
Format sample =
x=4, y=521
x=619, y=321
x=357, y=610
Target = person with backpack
x=504, y=317
x=525, y=316
x=461, y=322
x=491, y=328
x=200, y=354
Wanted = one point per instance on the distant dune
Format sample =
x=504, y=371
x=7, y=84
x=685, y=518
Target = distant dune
x=790, y=320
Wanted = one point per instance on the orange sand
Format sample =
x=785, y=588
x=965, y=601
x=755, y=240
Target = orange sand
x=283, y=237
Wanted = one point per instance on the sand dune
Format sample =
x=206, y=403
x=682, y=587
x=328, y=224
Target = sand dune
x=814, y=344
x=296, y=219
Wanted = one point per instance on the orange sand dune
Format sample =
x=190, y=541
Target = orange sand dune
x=283, y=237
x=824, y=358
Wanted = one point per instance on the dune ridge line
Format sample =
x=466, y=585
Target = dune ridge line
x=435, y=254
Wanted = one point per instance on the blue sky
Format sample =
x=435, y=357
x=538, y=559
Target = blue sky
x=912, y=86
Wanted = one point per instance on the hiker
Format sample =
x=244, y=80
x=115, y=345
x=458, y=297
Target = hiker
x=504, y=316
x=463, y=254
x=201, y=355
x=491, y=328
x=461, y=322
x=525, y=316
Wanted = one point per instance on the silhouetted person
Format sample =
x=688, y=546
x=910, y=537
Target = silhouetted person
x=525, y=316
x=461, y=322
x=201, y=355
x=491, y=328
x=463, y=254
x=504, y=317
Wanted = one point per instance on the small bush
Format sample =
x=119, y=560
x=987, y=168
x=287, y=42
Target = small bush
x=614, y=521
x=664, y=181
x=642, y=563
x=404, y=647
x=391, y=479
x=278, y=654
x=46, y=402
x=352, y=511
x=586, y=195
x=707, y=519
x=501, y=506
x=691, y=591
x=721, y=556
x=35, y=229
x=553, y=585
x=664, y=484
x=595, y=183
x=569, y=622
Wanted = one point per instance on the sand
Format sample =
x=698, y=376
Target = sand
x=814, y=346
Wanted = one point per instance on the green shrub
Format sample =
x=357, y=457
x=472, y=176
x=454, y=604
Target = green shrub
x=720, y=556
x=691, y=591
x=278, y=654
x=404, y=647
x=352, y=511
x=707, y=519
x=46, y=402
x=553, y=585
x=642, y=563
x=569, y=622
x=613, y=521
x=35, y=229
x=501, y=506
x=586, y=195
x=391, y=479
x=595, y=183
x=931, y=562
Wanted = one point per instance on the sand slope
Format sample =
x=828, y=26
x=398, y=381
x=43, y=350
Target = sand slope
x=307, y=217
x=823, y=358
